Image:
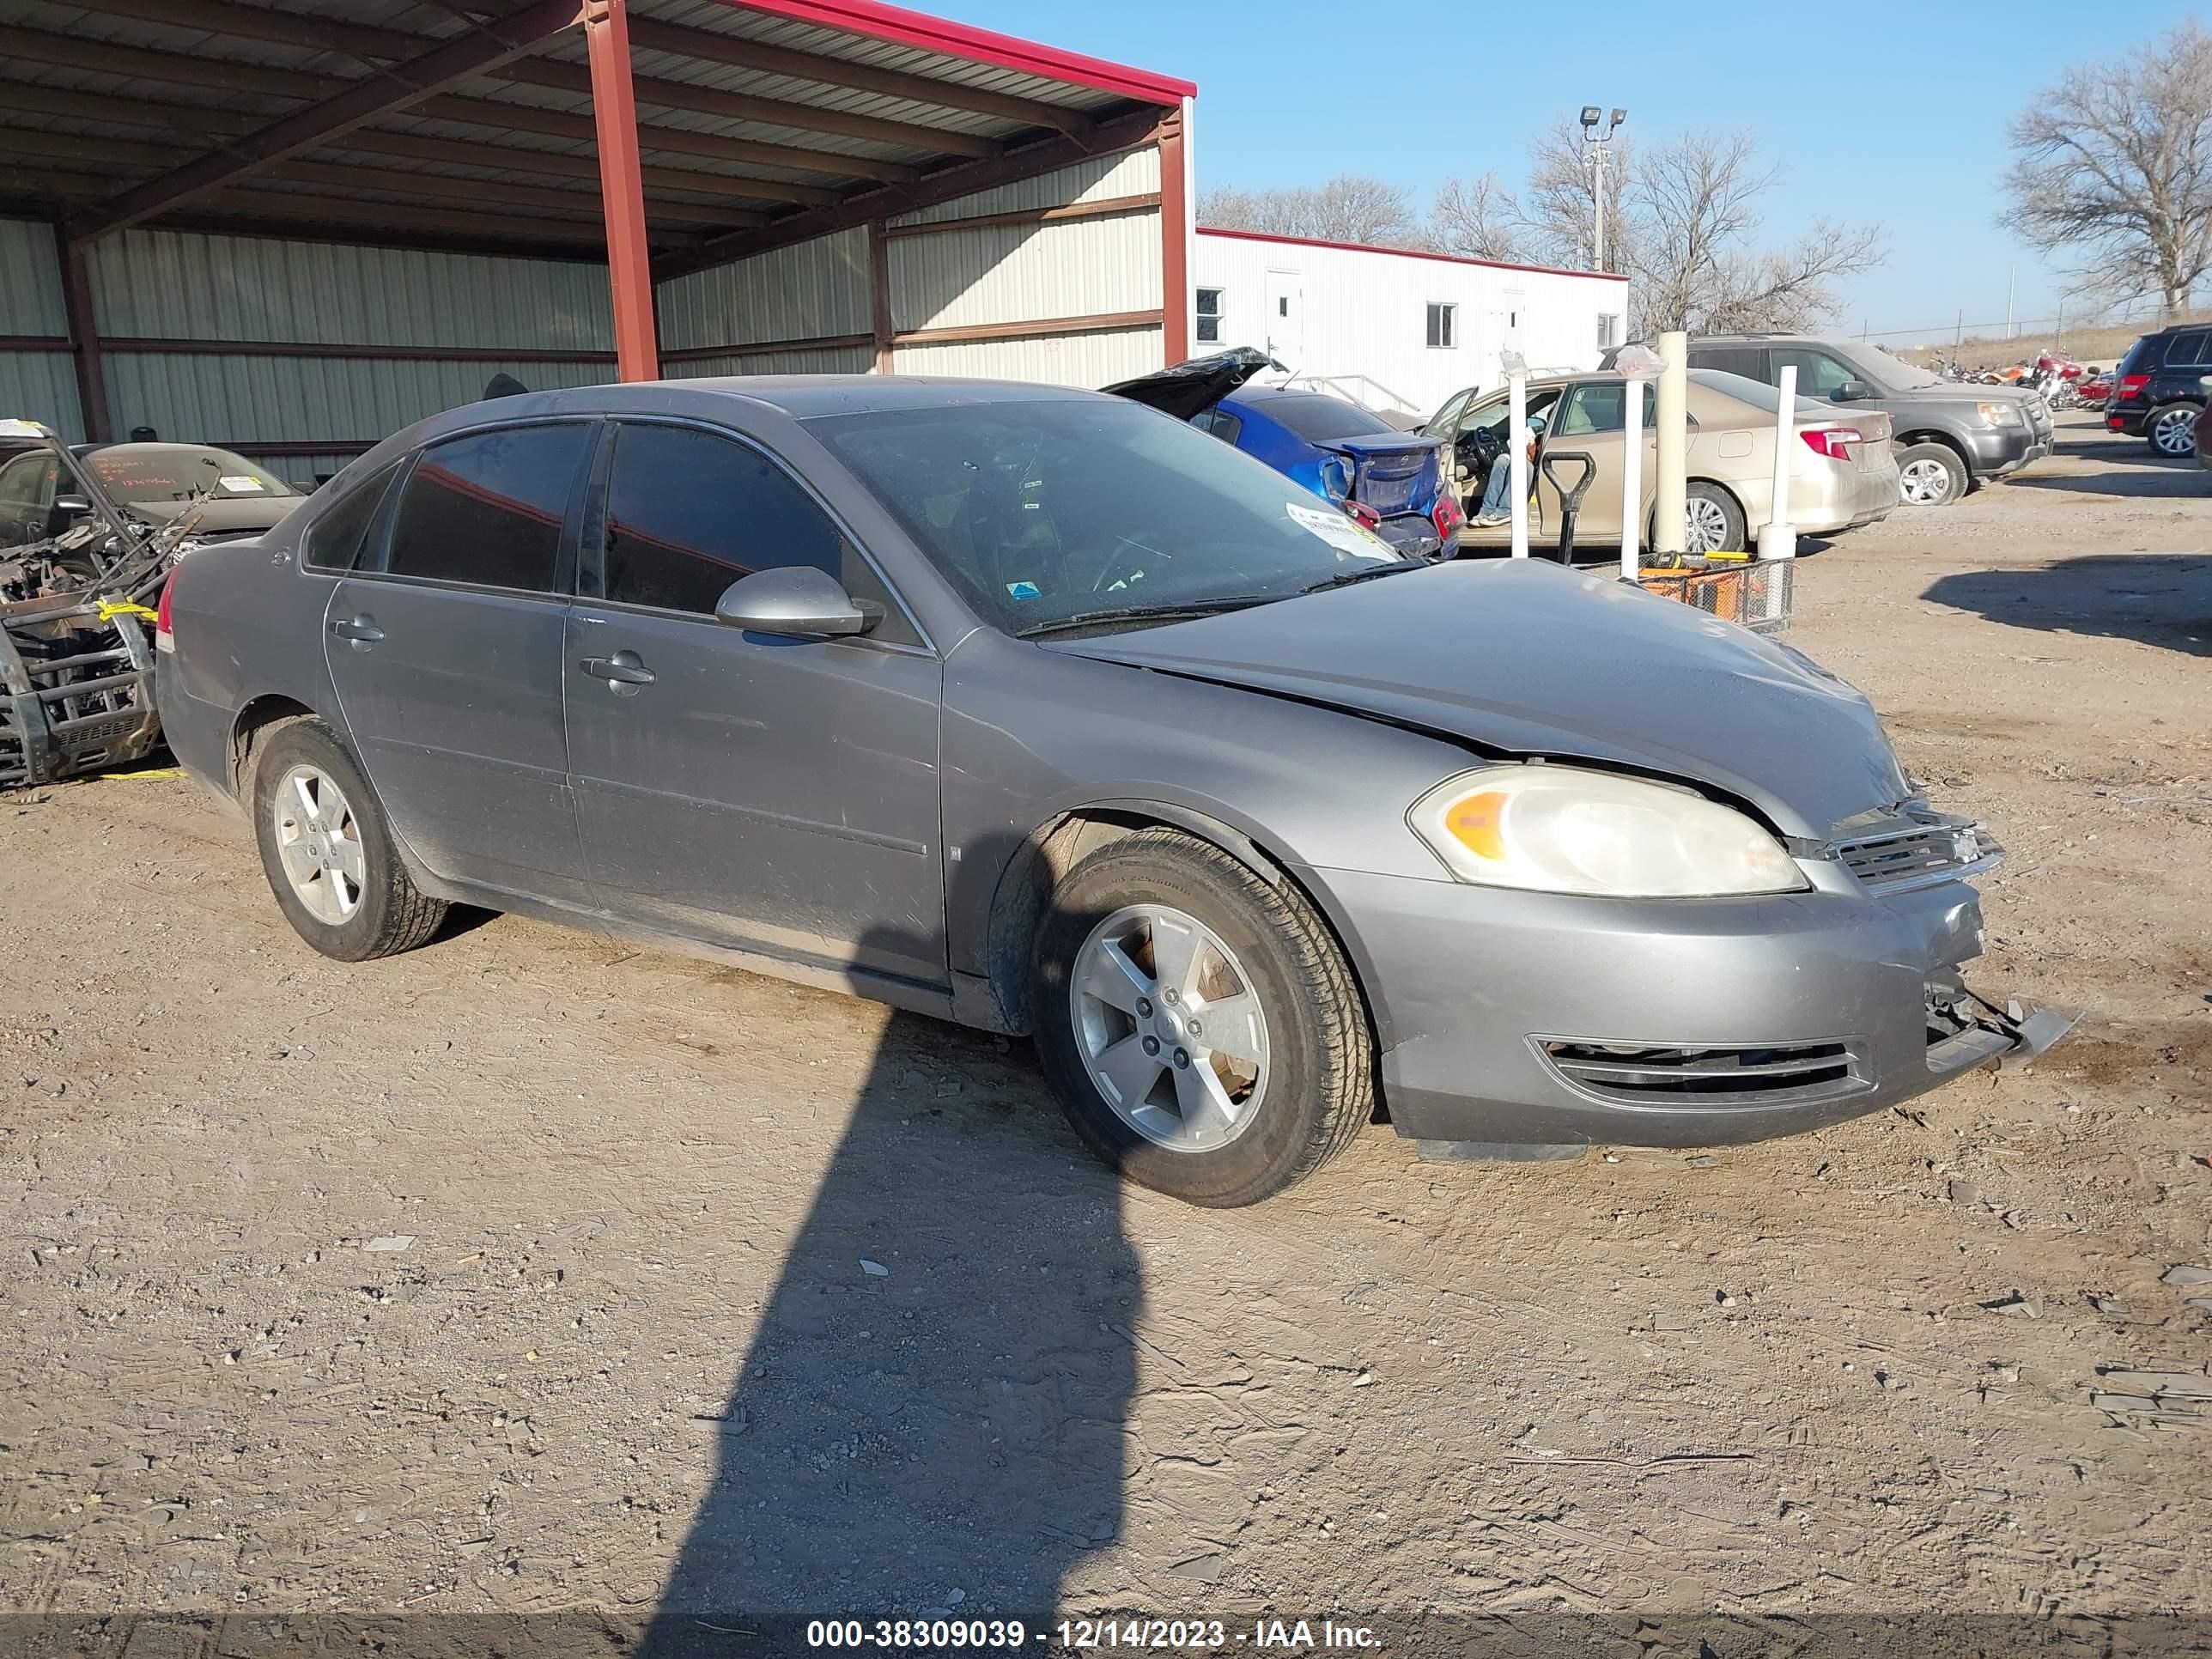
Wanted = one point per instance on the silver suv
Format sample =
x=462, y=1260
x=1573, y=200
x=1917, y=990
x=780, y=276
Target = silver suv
x=1950, y=438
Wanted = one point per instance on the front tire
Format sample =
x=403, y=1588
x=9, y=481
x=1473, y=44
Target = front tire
x=2171, y=431
x=328, y=852
x=1930, y=474
x=1199, y=1026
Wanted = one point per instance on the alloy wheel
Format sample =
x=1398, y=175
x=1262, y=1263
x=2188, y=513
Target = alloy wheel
x=1704, y=528
x=1924, y=482
x=2175, y=431
x=318, y=843
x=1170, y=1028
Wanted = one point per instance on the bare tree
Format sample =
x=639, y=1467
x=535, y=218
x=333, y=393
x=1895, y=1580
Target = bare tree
x=1558, y=210
x=1348, y=208
x=1479, y=220
x=1690, y=216
x=2116, y=163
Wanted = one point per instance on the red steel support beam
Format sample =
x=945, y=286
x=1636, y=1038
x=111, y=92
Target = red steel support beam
x=879, y=292
x=482, y=48
x=622, y=191
x=84, y=339
x=1175, y=239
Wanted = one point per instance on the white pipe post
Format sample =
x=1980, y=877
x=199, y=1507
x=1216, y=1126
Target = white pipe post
x=1516, y=381
x=1777, y=540
x=1631, y=478
x=1670, y=499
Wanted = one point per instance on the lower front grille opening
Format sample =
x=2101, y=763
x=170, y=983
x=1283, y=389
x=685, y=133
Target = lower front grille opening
x=1772, y=1074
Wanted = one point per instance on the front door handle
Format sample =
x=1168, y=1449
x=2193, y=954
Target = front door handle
x=623, y=672
x=361, y=631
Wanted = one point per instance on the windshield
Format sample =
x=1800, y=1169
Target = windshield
x=1043, y=511
x=135, y=473
x=1757, y=393
x=1894, y=372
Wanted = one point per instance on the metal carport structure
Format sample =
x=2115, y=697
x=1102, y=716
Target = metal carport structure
x=770, y=184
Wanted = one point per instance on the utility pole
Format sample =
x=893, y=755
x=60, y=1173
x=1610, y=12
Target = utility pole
x=2011, y=276
x=1596, y=147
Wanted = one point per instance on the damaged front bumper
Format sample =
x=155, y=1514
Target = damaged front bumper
x=1518, y=1020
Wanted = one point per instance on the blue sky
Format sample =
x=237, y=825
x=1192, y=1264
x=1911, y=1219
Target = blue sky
x=1892, y=112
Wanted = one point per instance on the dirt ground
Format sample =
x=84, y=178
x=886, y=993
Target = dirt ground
x=531, y=1271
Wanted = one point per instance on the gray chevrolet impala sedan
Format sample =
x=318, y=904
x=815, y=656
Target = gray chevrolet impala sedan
x=1040, y=711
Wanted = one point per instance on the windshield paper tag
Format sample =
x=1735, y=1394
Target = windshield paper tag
x=13, y=429
x=1339, y=531
x=241, y=486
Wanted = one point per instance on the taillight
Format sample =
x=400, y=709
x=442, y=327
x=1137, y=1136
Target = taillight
x=2131, y=386
x=1363, y=514
x=1447, y=517
x=163, y=639
x=1833, y=441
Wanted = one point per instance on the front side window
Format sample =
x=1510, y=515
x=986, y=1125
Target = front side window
x=1819, y=375
x=487, y=508
x=1041, y=512
x=25, y=481
x=690, y=512
x=1443, y=325
x=340, y=532
x=1211, y=311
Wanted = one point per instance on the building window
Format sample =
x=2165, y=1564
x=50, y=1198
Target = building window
x=1210, y=314
x=1443, y=321
x=1608, y=330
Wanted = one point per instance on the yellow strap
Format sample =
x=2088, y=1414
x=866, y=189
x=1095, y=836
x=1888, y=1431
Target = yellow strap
x=111, y=609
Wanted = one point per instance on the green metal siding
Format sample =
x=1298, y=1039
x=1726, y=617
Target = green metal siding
x=41, y=385
x=30, y=280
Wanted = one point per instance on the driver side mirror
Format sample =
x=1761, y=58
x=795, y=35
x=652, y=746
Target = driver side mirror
x=71, y=507
x=797, y=600
x=1851, y=391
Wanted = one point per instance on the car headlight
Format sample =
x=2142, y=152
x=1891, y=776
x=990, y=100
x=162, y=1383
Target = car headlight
x=1562, y=829
x=2000, y=414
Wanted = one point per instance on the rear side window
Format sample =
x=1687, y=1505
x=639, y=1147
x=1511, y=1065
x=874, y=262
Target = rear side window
x=1750, y=362
x=690, y=512
x=340, y=533
x=2188, y=350
x=487, y=508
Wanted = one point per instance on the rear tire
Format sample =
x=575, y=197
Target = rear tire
x=2171, y=431
x=1713, y=523
x=1264, y=957
x=1930, y=474
x=327, y=851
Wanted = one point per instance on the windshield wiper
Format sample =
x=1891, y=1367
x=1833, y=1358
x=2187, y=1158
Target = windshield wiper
x=1345, y=578
x=1163, y=613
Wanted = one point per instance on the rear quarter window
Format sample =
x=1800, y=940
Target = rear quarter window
x=1750, y=362
x=2142, y=355
x=339, y=536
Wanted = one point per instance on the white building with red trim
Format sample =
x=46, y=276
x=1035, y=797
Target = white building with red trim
x=1393, y=326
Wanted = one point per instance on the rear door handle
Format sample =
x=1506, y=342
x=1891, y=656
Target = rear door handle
x=361, y=630
x=625, y=671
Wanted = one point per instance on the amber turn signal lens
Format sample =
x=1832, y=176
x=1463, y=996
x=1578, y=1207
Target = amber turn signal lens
x=1478, y=821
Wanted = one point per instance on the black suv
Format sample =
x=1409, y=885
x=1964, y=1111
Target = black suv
x=2158, y=389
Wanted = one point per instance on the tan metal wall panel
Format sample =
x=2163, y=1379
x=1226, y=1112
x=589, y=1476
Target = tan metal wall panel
x=288, y=399
x=1135, y=173
x=843, y=360
x=185, y=285
x=30, y=280
x=1078, y=360
x=812, y=290
x=1026, y=273
x=41, y=385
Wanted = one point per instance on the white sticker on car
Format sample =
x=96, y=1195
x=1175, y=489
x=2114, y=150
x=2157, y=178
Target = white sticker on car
x=1339, y=531
x=241, y=486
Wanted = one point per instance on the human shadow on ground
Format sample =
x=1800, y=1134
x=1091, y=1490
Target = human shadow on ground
x=2163, y=600
x=929, y=1420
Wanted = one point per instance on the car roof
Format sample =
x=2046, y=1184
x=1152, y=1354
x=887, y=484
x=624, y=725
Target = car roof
x=803, y=396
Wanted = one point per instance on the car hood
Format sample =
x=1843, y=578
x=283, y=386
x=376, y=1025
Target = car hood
x=1190, y=388
x=1520, y=657
x=1958, y=391
x=235, y=516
